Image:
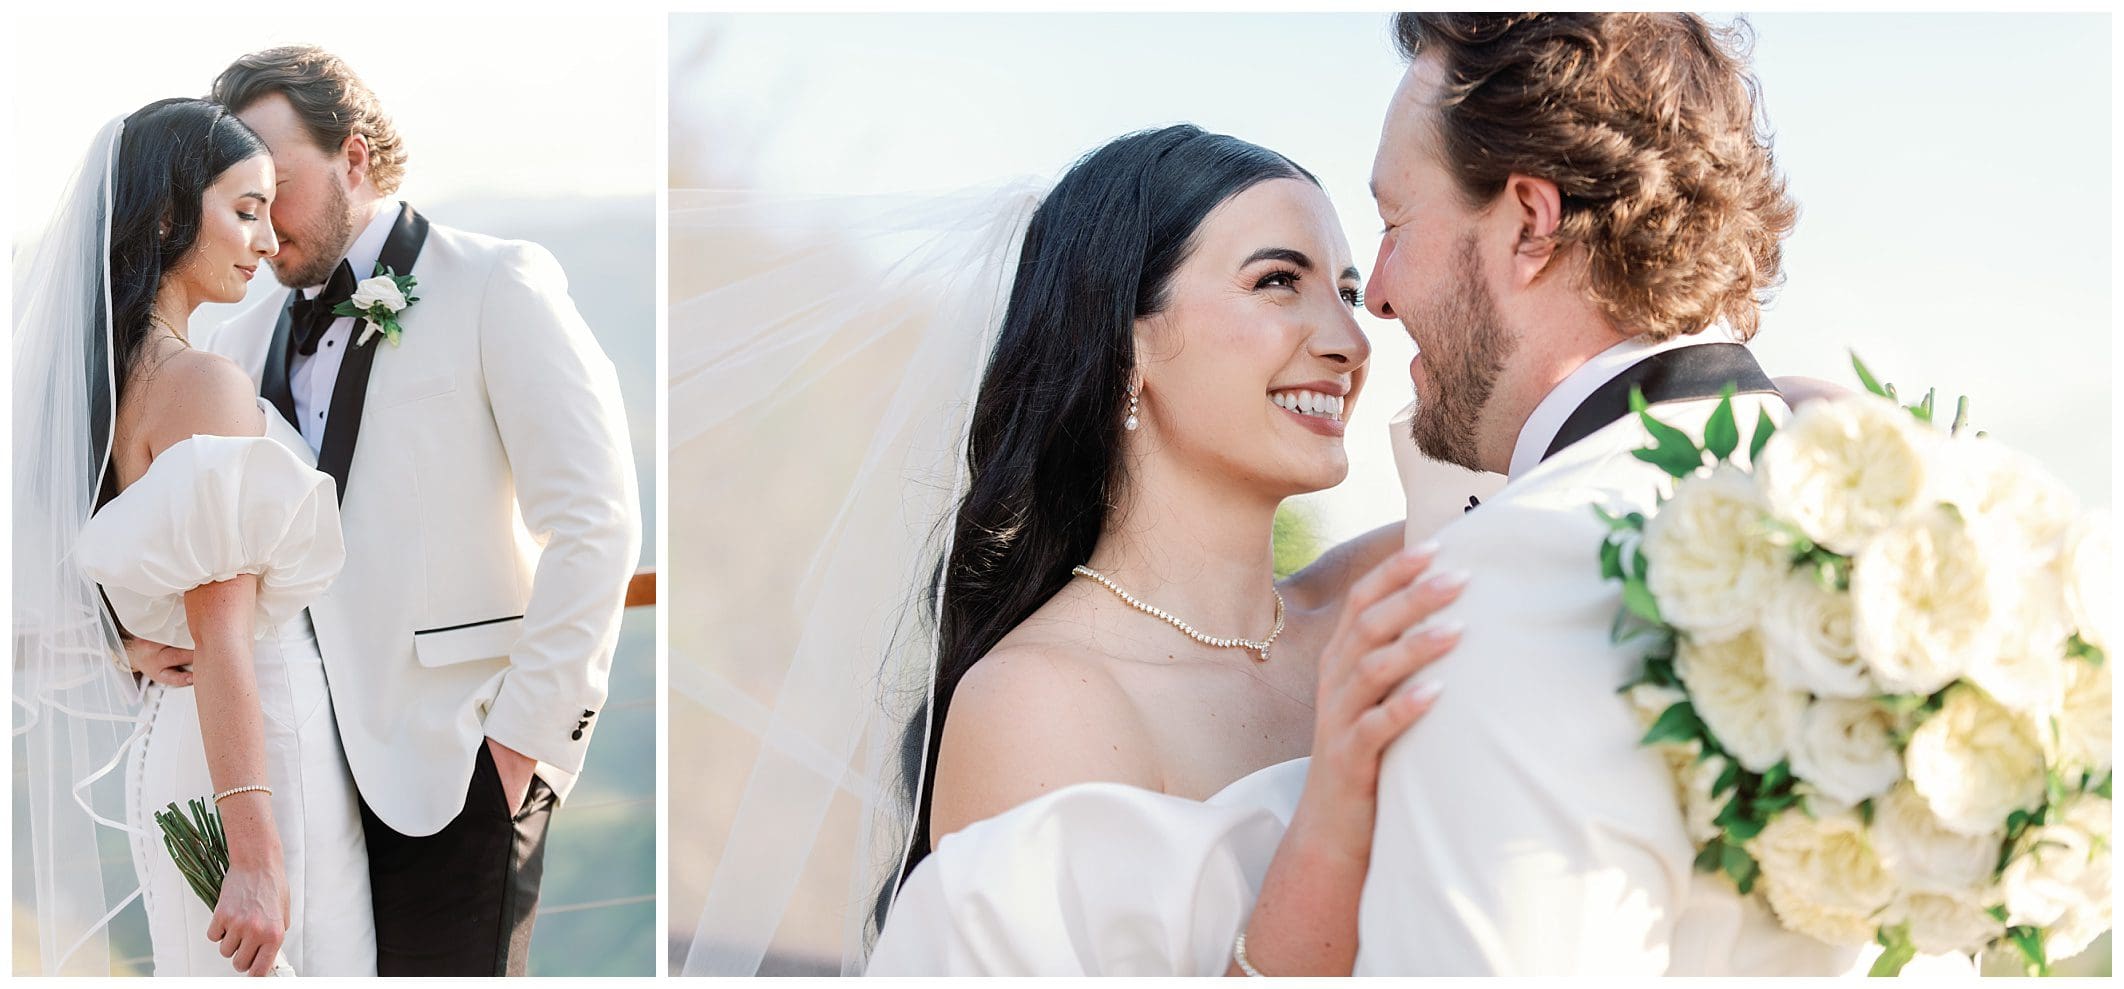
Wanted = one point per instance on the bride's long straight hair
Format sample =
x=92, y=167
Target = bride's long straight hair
x=1043, y=451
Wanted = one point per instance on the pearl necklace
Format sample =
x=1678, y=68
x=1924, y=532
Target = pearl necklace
x=1260, y=648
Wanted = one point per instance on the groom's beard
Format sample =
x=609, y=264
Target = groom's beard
x=323, y=242
x=1463, y=374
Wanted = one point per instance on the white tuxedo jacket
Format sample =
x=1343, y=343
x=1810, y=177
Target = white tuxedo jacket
x=1522, y=829
x=488, y=498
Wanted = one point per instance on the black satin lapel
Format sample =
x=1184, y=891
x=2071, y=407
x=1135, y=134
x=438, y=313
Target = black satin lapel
x=273, y=380
x=350, y=390
x=1680, y=375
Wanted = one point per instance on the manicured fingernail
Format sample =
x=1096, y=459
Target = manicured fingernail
x=1451, y=580
x=1426, y=692
x=1444, y=630
x=1427, y=548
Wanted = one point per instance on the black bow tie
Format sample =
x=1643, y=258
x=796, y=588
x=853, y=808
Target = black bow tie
x=309, y=318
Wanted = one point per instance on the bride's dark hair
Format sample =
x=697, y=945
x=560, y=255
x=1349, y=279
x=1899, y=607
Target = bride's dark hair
x=1042, y=457
x=169, y=154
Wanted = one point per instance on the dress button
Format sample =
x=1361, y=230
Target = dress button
x=576, y=734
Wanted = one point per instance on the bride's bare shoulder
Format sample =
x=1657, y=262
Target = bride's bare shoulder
x=1035, y=714
x=194, y=392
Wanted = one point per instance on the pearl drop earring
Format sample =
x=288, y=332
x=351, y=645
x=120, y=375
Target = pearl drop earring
x=1130, y=423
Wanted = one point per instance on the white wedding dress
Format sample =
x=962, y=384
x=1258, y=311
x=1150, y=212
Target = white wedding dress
x=1093, y=879
x=208, y=509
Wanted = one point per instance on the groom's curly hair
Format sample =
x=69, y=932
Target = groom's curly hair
x=330, y=100
x=1650, y=126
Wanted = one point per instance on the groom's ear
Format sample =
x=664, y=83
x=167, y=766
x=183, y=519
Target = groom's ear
x=1537, y=207
x=356, y=148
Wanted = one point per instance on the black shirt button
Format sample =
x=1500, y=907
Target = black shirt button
x=576, y=734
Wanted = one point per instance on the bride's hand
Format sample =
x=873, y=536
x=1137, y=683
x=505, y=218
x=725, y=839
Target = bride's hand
x=166, y=665
x=1384, y=636
x=251, y=919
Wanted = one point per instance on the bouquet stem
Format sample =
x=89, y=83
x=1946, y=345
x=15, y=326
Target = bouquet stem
x=201, y=850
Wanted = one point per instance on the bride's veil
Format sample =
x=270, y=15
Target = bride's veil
x=74, y=708
x=824, y=355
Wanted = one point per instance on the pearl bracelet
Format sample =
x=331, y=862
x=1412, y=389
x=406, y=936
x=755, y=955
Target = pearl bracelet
x=1239, y=957
x=234, y=790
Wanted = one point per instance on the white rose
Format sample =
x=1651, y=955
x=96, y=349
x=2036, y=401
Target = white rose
x=2005, y=487
x=2027, y=670
x=1807, y=639
x=1926, y=602
x=1699, y=807
x=2082, y=723
x=2059, y=877
x=1844, y=751
x=1975, y=762
x=1711, y=560
x=1846, y=468
x=2090, y=591
x=1925, y=855
x=1752, y=718
x=1820, y=874
x=1943, y=922
x=380, y=289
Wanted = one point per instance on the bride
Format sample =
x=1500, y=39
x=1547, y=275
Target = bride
x=150, y=468
x=1109, y=609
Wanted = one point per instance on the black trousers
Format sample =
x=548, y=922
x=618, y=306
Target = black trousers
x=462, y=900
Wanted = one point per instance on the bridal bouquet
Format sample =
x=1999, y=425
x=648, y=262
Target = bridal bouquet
x=1875, y=662
x=201, y=851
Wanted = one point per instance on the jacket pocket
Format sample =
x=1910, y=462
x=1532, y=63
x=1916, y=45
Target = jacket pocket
x=491, y=639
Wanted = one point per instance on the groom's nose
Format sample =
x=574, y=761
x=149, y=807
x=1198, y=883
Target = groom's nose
x=1375, y=288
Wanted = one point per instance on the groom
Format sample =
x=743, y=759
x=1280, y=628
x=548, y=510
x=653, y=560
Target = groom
x=488, y=499
x=1575, y=204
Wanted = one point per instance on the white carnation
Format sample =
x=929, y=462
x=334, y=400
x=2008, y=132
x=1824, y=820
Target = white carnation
x=1752, y=718
x=2090, y=591
x=1944, y=922
x=1975, y=762
x=1843, y=469
x=1710, y=558
x=1925, y=855
x=1926, y=602
x=1807, y=639
x=2059, y=877
x=1844, y=751
x=2082, y=723
x=1820, y=874
x=380, y=289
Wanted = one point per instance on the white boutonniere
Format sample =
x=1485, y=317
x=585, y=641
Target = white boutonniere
x=377, y=302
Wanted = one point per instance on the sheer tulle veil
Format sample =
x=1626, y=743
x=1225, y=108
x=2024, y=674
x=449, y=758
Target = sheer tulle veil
x=74, y=705
x=824, y=355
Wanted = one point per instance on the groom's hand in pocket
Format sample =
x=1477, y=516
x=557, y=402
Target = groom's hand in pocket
x=515, y=769
x=166, y=665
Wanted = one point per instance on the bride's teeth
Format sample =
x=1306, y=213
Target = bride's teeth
x=1309, y=403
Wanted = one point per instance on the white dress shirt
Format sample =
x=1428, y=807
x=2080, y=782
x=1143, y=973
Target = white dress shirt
x=312, y=376
x=1556, y=407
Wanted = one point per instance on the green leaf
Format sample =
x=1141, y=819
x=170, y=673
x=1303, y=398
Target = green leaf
x=1638, y=598
x=1776, y=776
x=1896, y=947
x=1721, y=434
x=2085, y=651
x=1739, y=866
x=1611, y=567
x=1727, y=779
x=1865, y=809
x=1764, y=429
x=1866, y=377
x=2103, y=790
x=1713, y=854
x=1678, y=723
x=2030, y=941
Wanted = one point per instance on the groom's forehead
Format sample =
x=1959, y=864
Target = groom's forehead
x=1407, y=136
x=276, y=122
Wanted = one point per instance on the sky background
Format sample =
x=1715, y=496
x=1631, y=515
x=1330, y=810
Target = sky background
x=1953, y=171
x=523, y=127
